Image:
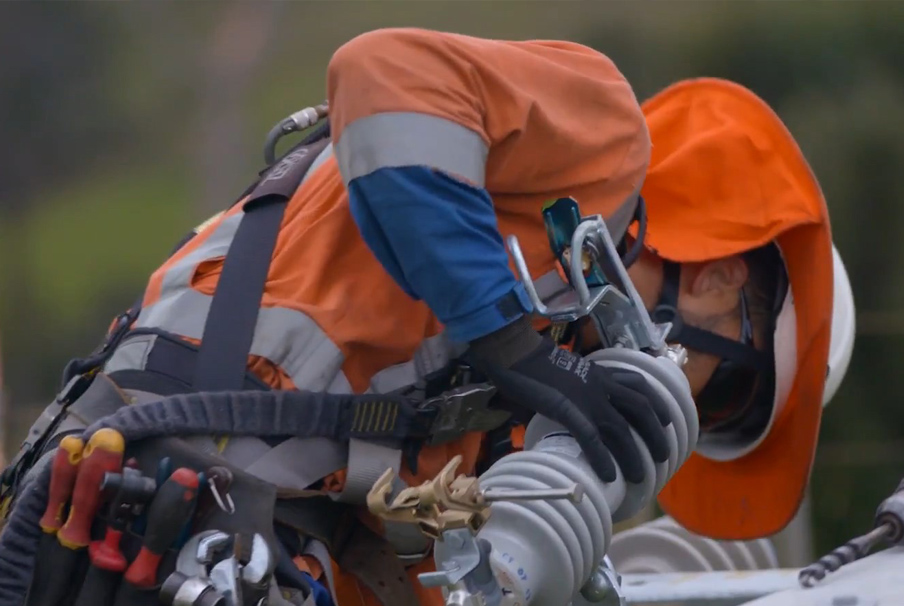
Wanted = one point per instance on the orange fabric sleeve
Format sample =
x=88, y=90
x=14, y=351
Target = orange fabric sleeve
x=552, y=115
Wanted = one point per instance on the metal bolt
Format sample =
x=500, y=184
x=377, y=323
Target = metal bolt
x=574, y=494
x=603, y=586
x=677, y=354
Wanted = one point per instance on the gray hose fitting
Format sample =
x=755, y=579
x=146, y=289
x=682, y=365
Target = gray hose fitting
x=300, y=120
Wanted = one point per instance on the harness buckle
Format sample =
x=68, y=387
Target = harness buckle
x=462, y=410
x=96, y=359
x=36, y=438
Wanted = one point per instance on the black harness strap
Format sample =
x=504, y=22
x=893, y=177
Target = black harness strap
x=318, y=138
x=666, y=310
x=231, y=320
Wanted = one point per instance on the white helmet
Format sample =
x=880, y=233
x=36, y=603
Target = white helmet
x=843, y=329
x=730, y=446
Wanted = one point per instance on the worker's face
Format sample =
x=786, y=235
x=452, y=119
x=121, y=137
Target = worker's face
x=709, y=298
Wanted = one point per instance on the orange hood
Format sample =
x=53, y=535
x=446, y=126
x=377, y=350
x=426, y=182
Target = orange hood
x=725, y=177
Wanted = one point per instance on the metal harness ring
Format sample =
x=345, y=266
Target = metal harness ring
x=229, y=505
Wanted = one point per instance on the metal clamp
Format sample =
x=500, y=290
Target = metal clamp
x=448, y=502
x=462, y=410
x=451, y=510
x=444, y=503
x=615, y=305
x=604, y=585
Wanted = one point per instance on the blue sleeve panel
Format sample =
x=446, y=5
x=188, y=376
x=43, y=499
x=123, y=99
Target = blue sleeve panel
x=439, y=239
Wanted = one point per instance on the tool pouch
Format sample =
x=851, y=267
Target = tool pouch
x=253, y=501
x=357, y=550
x=253, y=498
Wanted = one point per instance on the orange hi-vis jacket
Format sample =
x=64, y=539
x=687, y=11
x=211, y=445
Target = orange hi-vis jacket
x=528, y=121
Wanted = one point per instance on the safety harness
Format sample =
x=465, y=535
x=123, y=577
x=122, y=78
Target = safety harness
x=219, y=364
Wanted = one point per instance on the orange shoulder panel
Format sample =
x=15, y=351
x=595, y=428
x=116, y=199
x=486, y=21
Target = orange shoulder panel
x=554, y=115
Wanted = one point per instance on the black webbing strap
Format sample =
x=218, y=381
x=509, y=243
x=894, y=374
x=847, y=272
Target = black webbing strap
x=98, y=358
x=697, y=338
x=231, y=320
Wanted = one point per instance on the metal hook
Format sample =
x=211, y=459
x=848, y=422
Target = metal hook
x=229, y=505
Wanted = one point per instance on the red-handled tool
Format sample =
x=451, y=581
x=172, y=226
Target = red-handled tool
x=65, y=559
x=64, y=470
x=45, y=587
x=171, y=507
x=103, y=454
x=132, y=490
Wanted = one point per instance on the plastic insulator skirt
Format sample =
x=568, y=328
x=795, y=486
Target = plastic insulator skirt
x=545, y=551
x=662, y=546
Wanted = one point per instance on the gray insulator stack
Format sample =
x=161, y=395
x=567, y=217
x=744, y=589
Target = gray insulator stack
x=662, y=546
x=545, y=551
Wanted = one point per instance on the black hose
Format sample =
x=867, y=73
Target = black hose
x=288, y=126
x=282, y=128
x=263, y=414
x=20, y=538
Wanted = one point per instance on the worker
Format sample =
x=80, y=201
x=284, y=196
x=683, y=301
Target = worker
x=389, y=272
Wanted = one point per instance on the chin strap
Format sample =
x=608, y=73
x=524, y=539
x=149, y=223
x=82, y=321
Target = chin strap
x=729, y=401
x=699, y=339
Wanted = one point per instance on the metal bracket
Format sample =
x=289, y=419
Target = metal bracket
x=465, y=572
x=462, y=410
x=444, y=503
x=449, y=502
x=464, y=557
x=615, y=306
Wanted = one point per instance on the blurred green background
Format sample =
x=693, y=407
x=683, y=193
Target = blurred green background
x=125, y=124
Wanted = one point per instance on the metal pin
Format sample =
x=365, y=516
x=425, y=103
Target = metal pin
x=229, y=505
x=573, y=494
